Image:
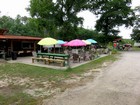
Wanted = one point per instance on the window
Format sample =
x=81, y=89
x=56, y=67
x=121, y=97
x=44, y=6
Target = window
x=27, y=45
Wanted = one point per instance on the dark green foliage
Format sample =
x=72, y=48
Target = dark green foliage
x=20, y=26
x=31, y=27
x=104, y=40
x=99, y=37
x=6, y=22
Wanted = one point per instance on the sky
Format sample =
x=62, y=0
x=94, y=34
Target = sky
x=14, y=7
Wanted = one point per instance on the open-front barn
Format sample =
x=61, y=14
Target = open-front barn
x=21, y=45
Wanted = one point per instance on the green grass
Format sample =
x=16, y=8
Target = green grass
x=18, y=99
x=39, y=74
x=24, y=70
x=94, y=64
x=135, y=48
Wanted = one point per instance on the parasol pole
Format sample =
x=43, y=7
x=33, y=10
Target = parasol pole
x=54, y=49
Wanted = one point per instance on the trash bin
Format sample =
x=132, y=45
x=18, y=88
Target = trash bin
x=14, y=55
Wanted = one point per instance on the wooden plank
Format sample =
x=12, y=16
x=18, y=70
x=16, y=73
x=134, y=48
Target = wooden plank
x=35, y=58
x=57, y=61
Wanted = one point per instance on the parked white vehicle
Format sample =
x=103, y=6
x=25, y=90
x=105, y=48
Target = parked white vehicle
x=136, y=44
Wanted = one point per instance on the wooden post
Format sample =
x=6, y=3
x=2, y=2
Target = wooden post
x=11, y=45
x=34, y=46
x=54, y=49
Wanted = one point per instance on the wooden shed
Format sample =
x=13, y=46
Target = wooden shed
x=22, y=45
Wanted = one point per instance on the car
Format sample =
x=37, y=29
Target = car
x=127, y=46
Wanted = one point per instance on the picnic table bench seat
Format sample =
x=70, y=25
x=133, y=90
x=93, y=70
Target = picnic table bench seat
x=39, y=59
x=49, y=60
x=57, y=61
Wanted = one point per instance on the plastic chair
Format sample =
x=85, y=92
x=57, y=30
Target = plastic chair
x=76, y=57
x=34, y=54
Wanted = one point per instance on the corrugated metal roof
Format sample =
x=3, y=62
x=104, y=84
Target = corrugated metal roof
x=19, y=37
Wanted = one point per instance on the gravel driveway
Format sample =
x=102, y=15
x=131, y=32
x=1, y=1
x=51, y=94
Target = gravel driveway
x=119, y=84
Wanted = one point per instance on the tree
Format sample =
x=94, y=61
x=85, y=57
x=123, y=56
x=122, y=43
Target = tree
x=60, y=15
x=6, y=22
x=112, y=14
x=20, y=26
x=136, y=30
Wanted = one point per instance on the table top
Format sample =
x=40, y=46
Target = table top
x=54, y=54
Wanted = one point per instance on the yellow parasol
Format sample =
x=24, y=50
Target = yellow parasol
x=47, y=41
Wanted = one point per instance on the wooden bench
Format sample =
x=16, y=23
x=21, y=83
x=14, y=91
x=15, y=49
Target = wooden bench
x=57, y=61
x=49, y=60
x=42, y=59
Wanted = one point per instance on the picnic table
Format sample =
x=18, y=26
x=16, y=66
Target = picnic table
x=54, y=56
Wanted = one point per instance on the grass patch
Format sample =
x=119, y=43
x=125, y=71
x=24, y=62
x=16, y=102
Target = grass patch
x=135, y=49
x=24, y=70
x=94, y=64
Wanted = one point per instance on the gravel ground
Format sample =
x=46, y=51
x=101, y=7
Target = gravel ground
x=119, y=84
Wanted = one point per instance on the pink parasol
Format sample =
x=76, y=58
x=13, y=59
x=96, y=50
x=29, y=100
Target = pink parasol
x=76, y=42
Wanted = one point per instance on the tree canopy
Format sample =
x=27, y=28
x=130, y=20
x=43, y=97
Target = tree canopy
x=112, y=14
x=29, y=26
x=20, y=25
x=136, y=30
x=61, y=15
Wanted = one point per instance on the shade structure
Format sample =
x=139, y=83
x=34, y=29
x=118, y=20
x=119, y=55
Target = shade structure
x=91, y=40
x=47, y=41
x=76, y=42
x=87, y=42
x=60, y=42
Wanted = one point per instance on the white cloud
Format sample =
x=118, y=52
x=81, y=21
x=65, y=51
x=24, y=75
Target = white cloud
x=89, y=19
x=14, y=7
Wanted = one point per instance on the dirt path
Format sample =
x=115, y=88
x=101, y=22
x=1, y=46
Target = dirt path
x=119, y=84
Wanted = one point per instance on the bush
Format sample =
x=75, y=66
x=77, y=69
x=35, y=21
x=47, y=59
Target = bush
x=114, y=51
